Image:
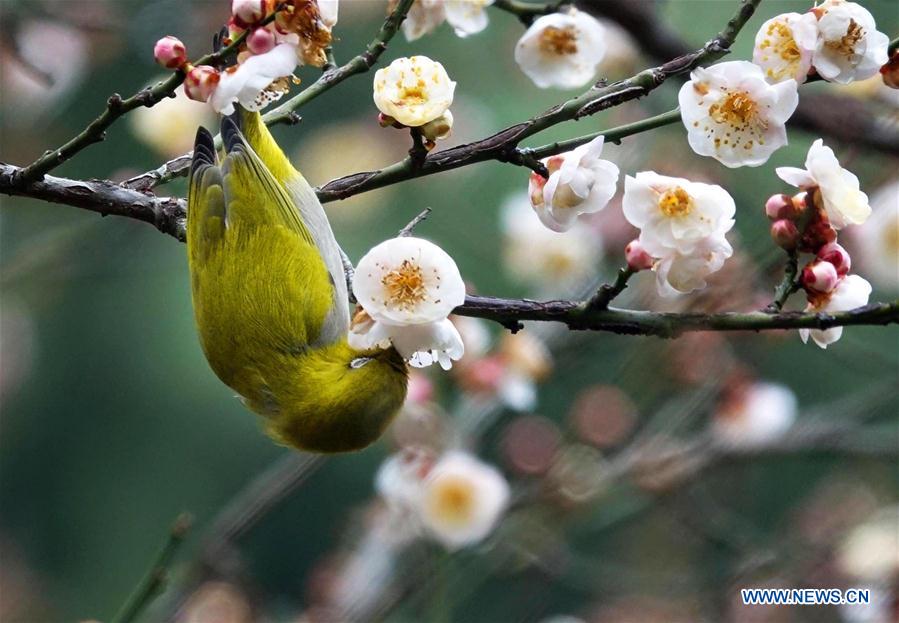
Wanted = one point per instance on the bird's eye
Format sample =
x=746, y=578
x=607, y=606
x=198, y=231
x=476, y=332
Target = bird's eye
x=358, y=362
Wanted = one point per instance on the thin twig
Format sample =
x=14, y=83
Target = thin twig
x=607, y=292
x=153, y=582
x=788, y=285
x=408, y=229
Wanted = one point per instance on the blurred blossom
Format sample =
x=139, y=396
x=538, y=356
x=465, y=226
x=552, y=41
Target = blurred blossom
x=622, y=57
x=50, y=59
x=530, y=443
x=754, y=414
x=870, y=551
x=420, y=422
x=399, y=479
x=462, y=500
x=832, y=507
x=877, y=241
x=663, y=463
x=217, y=602
x=420, y=389
x=423, y=18
x=475, y=335
x=561, y=49
x=535, y=255
x=577, y=474
x=18, y=339
x=603, y=415
x=697, y=357
x=169, y=126
x=349, y=147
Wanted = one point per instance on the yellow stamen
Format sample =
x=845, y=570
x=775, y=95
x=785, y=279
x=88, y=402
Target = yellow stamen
x=559, y=40
x=405, y=286
x=676, y=202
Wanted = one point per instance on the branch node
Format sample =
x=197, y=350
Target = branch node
x=408, y=229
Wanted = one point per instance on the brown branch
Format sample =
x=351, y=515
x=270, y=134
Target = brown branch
x=168, y=214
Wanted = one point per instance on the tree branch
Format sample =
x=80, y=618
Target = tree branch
x=168, y=215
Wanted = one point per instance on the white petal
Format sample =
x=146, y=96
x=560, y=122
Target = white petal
x=252, y=76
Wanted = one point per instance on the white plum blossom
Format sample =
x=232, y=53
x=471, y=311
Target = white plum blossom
x=413, y=90
x=561, y=49
x=851, y=291
x=734, y=115
x=423, y=18
x=169, y=126
x=467, y=17
x=784, y=46
x=682, y=273
x=462, y=499
x=407, y=287
x=844, y=203
x=541, y=257
x=248, y=82
x=581, y=183
x=870, y=551
x=849, y=45
x=756, y=414
x=675, y=214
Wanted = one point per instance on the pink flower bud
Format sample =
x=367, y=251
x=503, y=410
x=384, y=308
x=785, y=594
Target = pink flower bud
x=890, y=71
x=836, y=255
x=248, y=11
x=438, y=128
x=170, y=52
x=779, y=206
x=386, y=121
x=785, y=234
x=636, y=256
x=200, y=82
x=261, y=41
x=820, y=276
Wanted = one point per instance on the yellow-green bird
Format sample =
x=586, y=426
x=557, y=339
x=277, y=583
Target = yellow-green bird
x=270, y=297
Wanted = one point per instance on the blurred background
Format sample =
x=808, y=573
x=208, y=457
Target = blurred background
x=650, y=479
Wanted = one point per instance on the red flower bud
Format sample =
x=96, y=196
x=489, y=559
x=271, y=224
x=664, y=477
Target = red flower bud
x=785, y=234
x=170, y=52
x=200, y=82
x=819, y=277
x=779, y=206
x=261, y=40
x=836, y=255
x=637, y=257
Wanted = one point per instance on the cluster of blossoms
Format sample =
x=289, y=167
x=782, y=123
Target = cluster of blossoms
x=415, y=92
x=830, y=199
x=682, y=229
x=299, y=34
x=406, y=288
x=455, y=498
x=736, y=111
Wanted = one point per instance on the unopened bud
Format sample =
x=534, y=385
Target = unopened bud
x=261, y=40
x=636, y=256
x=890, y=71
x=820, y=276
x=836, y=255
x=785, y=234
x=779, y=206
x=386, y=121
x=438, y=128
x=248, y=11
x=200, y=82
x=170, y=52
x=817, y=234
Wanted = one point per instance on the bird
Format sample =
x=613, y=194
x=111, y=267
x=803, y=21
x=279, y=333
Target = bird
x=270, y=297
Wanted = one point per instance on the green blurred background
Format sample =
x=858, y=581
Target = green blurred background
x=112, y=422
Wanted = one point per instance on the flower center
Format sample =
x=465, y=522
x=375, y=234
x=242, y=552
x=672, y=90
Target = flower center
x=846, y=44
x=412, y=94
x=786, y=47
x=737, y=109
x=453, y=499
x=558, y=41
x=676, y=202
x=405, y=285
